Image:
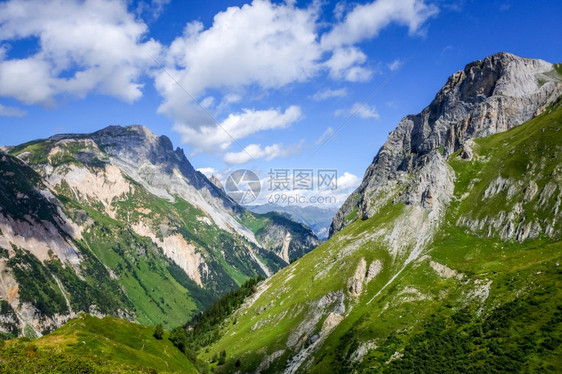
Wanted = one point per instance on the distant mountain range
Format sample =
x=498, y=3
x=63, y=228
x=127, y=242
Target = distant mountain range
x=318, y=219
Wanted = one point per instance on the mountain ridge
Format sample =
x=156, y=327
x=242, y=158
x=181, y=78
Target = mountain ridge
x=124, y=202
x=430, y=231
x=319, y=219
x=487, y=96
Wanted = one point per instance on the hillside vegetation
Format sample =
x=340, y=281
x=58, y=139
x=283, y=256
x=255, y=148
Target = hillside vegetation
x=119, y=223
x=92, y=345
x=479, y=297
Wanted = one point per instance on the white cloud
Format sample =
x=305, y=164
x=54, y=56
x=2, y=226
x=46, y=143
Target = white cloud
x=328, y=93
x=326, y=135
x=365, y=21
x=255, y=151
x=82, y=47
x=208, y=102
x=339, y=11
x=215, y=139
x=360, y=110
x=209, y=172
x=364, y=111
x=261, y=43
x=345, y=64
x=395, y=65
x=28, y=80
x=348, y=180
x=227, y=100
x=269, y=46
x=9, y=111
x=231, y=98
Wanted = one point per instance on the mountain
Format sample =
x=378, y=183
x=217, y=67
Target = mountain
x=445, y=259
x=318, y=219
x=488, y=96
x=119, y=223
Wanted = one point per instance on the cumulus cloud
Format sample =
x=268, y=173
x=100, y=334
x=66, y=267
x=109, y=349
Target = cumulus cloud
x=100, y=46
x=269, y=46
x=345, y=63
x=328, y=94
x=365, y=21
x=218, y=138
x=83, y=46
x=348, y=180
x=360, y=110
x=255, y=151
x=261, y=43
x=9, y=111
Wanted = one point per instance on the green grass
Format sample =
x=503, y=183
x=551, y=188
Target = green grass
x=143, y=272
x=397, y=319
x=91, y=345
x=523, y=335
x=303, y=288
x=254, y=221
x=37, y=148
x=352, y=215
x=142, y=282
x=121, y=341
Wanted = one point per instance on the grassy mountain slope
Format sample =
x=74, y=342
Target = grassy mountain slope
x=91, y=345
x=120, y=271
x=492, y=278
x=119, y=249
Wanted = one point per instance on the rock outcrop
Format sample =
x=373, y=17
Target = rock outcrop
x=486, y=97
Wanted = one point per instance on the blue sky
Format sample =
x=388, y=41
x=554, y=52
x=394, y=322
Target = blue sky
x=271, y=80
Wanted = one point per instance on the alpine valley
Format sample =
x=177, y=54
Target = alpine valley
x=445, y=259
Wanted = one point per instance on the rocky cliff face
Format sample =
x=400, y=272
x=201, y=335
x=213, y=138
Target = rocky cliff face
x=458, y=215
x=166, y=173
x=489, y=96
x=119, y=223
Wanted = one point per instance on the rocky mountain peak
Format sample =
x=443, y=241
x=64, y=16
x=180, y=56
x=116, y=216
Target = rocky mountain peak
x=486, y=97
x=137, y=144
x=152, y=160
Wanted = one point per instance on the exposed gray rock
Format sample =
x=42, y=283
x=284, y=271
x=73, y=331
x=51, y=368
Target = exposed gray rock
x=530, y=191
x=113, y=163
x=166, y=172
x=214, y=180
x=486, y=97
x=355, y=283
x=374, y=270
x=287, y=239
